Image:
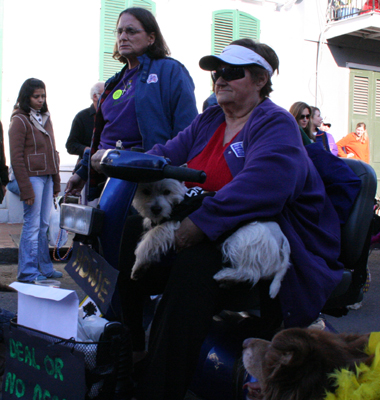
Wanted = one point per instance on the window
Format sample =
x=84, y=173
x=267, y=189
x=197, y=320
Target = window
x=365, y=107
x=229, y=25
x=110, y=10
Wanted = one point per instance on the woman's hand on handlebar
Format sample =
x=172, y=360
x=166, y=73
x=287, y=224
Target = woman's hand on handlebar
x=95, y=160
x=75, y=185
x=188, y=234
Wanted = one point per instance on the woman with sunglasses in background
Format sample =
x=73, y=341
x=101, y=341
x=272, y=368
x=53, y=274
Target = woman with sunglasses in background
x=326, y=138
x=35, y=164
x=302, y=112
x=257, y=175
x=149, y=101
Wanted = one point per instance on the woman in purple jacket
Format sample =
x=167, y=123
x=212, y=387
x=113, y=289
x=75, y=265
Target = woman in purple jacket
x=315, y=124
x=257, y=176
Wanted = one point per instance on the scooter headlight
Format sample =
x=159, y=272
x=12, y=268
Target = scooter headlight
x=84, y=220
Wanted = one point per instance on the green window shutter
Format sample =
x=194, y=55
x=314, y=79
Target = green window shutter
x=110, y=10
x=360, y=98
x=109, y=14
x=147, y=4
x=223, y=25
x=364, y=106
x=377, y=99
x=229, y=25
x=248, y=26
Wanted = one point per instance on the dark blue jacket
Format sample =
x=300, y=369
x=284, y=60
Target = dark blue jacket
x=164, y=100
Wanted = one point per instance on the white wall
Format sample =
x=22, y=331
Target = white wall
x=57, y=42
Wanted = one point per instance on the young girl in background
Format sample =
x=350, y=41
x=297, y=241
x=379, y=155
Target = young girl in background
x=35, y=164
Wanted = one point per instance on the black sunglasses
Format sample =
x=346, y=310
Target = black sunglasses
x=228, y=74
x=305, y=116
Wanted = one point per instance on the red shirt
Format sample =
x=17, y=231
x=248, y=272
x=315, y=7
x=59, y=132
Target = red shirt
x=211, y=160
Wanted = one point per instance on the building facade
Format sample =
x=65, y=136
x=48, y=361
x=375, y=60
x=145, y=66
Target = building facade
x=328, y=49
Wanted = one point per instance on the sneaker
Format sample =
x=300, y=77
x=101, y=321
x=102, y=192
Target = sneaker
x=55, y=275
x=41, y=278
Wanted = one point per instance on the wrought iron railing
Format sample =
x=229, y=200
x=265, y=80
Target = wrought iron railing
x=342, y=9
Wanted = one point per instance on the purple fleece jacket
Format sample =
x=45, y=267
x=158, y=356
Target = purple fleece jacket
x=273, y=178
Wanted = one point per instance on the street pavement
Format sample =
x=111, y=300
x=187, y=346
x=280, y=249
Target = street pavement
x=365, y=319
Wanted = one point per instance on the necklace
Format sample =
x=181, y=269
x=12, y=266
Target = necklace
x=118, y=93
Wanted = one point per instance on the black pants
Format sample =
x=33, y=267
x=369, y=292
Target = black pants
x=191, y=297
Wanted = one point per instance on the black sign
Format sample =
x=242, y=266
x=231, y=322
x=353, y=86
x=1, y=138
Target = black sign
x=93, y=274
x=37, y=369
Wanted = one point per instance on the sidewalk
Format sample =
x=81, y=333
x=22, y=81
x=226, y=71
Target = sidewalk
x=9, y=239
x=9, y=242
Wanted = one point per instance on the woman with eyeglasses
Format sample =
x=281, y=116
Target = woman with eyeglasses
x=35, y=163
x=149, y=101
x=324, y=137
x=356, y=144
x=256, y=175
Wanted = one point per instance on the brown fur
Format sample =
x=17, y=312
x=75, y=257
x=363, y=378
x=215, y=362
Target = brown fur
x=296, y=364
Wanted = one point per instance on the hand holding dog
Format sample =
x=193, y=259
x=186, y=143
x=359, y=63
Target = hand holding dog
x=188, y=234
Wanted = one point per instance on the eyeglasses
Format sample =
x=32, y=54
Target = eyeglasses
x=228, y=74
x=130, y=32
x=305, y=116
x=329, y=125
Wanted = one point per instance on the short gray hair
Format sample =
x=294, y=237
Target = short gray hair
x=98, y=88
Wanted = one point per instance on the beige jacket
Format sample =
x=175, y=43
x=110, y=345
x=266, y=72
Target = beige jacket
x=33, y=152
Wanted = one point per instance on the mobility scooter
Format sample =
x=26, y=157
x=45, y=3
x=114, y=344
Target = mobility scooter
x=220, y=374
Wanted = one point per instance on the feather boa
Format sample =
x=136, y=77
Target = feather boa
x=364, y=383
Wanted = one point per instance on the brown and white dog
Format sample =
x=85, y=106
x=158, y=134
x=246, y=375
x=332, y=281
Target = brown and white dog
x=296, y=363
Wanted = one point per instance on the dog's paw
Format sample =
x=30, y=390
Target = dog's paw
x=225, y=284
x=138, y=270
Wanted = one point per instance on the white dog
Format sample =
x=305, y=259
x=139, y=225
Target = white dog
x=155, y=201
x=256, y=250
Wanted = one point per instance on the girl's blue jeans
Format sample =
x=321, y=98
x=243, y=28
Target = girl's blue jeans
x=33, y=256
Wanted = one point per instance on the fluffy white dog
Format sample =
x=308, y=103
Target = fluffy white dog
x=155, y=201
x=255, y=251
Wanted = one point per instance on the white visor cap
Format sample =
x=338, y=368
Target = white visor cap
x=235, y=55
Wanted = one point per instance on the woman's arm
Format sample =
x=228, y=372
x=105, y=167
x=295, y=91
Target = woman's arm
x=3, y=167
x=341, y=144
x=182, y=99
x=17, y=140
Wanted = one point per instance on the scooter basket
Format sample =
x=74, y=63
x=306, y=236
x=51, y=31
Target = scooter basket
x=102, y=359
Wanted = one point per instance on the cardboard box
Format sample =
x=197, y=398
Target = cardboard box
x=48, y=309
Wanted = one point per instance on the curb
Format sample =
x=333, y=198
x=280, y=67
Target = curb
x=10, y=255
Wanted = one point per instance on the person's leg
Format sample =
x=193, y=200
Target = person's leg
x=44, y=260
x=181, y=323
x=28, y=249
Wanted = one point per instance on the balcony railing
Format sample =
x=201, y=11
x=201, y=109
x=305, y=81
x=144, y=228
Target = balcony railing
x=340, y=9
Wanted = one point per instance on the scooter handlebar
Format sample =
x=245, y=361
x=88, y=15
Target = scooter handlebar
x=184, y=174
x=141, y=167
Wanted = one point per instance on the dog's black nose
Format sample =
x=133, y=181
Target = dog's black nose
x=156, y=209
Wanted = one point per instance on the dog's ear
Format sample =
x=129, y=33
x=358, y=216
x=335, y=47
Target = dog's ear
x=286, y=358
x=293, y=346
